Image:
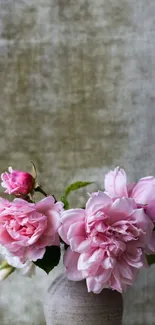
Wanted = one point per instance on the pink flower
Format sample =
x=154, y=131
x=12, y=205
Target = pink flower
x=116, y=186
x=17, y=182
x=116, y=183
x=107, y=242
x=28, y=268
x=27, y=228
x=143, y=192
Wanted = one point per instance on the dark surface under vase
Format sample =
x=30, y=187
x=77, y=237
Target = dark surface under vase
x=68, y=303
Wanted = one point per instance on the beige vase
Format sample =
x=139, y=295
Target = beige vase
x=69, y=303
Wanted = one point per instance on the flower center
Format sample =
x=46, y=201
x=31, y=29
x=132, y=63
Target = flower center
x=106, y=237
x=24, y=228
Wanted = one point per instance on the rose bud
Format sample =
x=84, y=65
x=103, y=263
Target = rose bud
x=17, y=182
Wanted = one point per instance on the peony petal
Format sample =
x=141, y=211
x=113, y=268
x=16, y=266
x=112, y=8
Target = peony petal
x=96, y=256
x=73, y=215
x=63, y=231
x=144, y=191
x=97, y=201
x=135, y=261
x=80, y=244
x=144, y=223
x=45, y=205
x=108, y=263
x=94, y=286
x=5, y=237
x=116, y=183
x=90, y=262
x=45, y=241
x=150, y=209
x=121, y=209
x=83, y=261
x=53, y=222
x=103, y=276
x=68, y=218
x=76, y=229
x=70, y=262
x=125, y=270
x=33, y=254
x=115, y=281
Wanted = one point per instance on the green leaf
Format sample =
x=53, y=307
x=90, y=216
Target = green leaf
x=50, y=259
x=150, y=259
x=75, y=186
x=65, y=202
x=70, y=188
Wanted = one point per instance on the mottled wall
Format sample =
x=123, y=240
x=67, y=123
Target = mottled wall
x=77, y=83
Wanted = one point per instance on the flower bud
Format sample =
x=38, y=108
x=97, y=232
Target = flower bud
x=17, y=182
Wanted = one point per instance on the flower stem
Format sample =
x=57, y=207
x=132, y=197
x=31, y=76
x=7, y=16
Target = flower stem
x=40, y=189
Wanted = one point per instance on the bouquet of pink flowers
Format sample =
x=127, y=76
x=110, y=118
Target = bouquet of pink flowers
x=106, y=243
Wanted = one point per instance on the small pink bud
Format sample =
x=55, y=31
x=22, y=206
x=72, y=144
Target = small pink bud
x=17, y=182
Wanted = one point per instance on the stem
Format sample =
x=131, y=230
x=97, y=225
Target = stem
x=39, y=189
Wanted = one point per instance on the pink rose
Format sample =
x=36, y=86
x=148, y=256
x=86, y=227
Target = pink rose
x=27, y=228
x=116, y=186
x=107, y=242
x=17, y=182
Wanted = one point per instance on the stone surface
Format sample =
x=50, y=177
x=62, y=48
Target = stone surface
x=77, y=83
x=68, y=302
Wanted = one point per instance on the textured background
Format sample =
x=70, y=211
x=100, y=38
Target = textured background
x=77, y=83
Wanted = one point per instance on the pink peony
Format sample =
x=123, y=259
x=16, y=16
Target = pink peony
x=143, y=192
x=116, y=186
x=17, y=182
x=27, y=228
x=107, y=242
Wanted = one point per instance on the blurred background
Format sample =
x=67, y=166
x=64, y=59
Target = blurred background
x=77, y=82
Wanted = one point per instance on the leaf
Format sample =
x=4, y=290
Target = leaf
x=75, y=186
x=4, y=265
x=50, y=259
x=65, y=202
x=70, y=188
x=150, y=259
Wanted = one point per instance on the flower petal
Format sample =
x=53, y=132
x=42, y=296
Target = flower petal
x=45, y=205
x=70, y=262
x=72, y=215
x=144, y=191
x=116, y=183
x=121, y=209
x=97, y=201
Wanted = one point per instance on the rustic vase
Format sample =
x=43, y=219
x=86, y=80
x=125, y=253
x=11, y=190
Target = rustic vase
x=68, y=303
